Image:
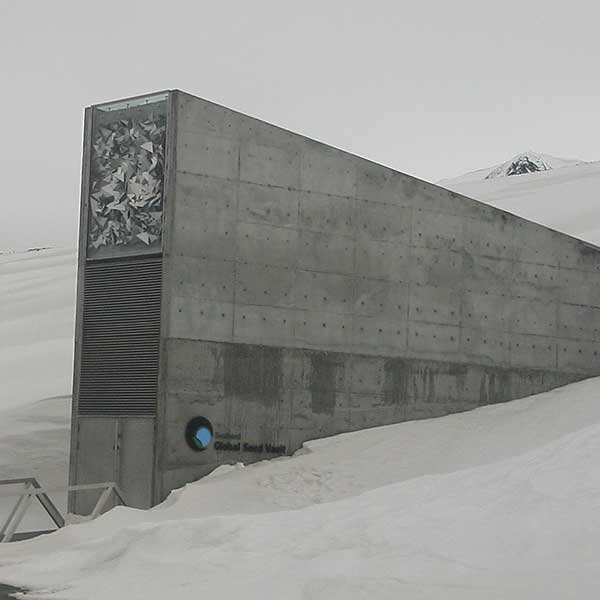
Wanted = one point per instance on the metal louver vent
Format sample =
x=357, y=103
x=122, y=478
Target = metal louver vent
x=121, y=336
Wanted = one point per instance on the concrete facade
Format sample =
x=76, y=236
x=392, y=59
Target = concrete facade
x=308, y=292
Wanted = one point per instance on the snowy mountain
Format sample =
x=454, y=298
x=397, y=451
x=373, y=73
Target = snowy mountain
x=521, y=164
x=565, y=197
x=528, y=162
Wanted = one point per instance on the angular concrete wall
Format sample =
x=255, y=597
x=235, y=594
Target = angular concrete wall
x=310, y=292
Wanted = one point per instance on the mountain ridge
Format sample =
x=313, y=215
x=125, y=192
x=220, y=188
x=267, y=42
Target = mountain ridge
x=523, y=163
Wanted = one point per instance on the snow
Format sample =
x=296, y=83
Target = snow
x=542, y=161
x=499, y=502
x=37, y=296
x=37, y=299
x=565, y=199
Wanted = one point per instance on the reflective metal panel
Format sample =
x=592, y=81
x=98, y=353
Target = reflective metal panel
x=126, y=190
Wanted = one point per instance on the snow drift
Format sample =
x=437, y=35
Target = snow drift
x=501, y=502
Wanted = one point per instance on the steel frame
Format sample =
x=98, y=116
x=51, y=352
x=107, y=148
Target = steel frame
x=32, y=490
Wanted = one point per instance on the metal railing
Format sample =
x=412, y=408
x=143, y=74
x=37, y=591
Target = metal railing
x=108, y=487
x=32, y=490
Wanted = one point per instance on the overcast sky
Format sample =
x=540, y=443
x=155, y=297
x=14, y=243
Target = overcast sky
x=433, y=89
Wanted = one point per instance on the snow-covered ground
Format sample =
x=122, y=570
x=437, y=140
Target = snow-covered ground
x=501, y=502
x=37, y=299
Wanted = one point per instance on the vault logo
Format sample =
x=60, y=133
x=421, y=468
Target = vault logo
x=199, y=433
x=232, y=442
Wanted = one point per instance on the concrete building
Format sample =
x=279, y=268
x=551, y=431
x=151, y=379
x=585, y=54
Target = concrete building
x=243, y=289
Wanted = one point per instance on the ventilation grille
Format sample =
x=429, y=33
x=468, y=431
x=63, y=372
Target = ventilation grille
x=121, y=335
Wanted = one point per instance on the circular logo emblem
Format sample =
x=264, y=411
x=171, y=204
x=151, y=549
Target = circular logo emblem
x=199, y=433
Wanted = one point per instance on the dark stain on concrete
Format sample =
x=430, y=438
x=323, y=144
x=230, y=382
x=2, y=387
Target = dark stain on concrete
x=218, y=365
x=395, y=385
x=434, y=382
x=429, y=377
x=495, y=386
x=322, y=377
x=253, y=372
x=242, y=370
x=271, y=375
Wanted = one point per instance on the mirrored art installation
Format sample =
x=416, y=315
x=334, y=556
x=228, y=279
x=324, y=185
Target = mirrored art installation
x=126, y=182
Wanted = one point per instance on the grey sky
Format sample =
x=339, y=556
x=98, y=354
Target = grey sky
x=433, y=89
